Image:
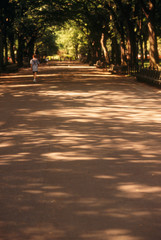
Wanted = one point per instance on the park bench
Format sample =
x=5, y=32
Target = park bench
x=115, y=69
x=150, y=76
x=119, y=69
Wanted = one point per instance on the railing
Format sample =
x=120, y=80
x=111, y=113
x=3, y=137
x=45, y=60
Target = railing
x=149, y=76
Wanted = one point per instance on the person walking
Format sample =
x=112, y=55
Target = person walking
x=34, y=62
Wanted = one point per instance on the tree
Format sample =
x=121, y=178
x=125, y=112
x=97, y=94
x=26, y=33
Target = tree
x=71, y=39
x=3, y=7
x=29, y=20
x=46, y=44
x=91, y=16
x=120, y=22
x=149, y=9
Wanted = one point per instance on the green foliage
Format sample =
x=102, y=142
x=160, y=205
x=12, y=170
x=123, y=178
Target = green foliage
x=76, y=26
x=71, y=40
x=46, y=44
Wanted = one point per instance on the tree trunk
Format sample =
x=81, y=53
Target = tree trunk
x=123, y=58
x=1, y=42
x=141, y=42
x=131, y=35
x=76, y=51
x=1, y=50
x=150, y=15
x=11, y=42
x=6, y=49
x=153, y=50
x=141, y=51
x=104, y=48
x=129, y=63
x=122, y=46
x=116, y=54
x=133, y=43
x=30, y=48
x=20, y=51
x=12, y=51
x=95, y=49
x=131, y=47
x=145, y=48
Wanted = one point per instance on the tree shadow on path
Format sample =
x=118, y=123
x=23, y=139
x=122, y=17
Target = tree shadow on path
x=79, y=156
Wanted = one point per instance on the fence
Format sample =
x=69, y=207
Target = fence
x=150, y=76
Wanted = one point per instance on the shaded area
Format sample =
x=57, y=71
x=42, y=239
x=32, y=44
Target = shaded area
x=79, y=156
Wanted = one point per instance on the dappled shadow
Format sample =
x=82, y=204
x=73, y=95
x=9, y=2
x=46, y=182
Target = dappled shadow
x=79, y=157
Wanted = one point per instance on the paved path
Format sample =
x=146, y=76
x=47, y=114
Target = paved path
x=80, y=156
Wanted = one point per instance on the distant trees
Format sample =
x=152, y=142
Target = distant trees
x=132, y=27
x=23, y=23
x=71, y=41
x=119, y=31
x=150, y=9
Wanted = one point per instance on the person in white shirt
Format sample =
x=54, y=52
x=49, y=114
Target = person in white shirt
x=34, y=62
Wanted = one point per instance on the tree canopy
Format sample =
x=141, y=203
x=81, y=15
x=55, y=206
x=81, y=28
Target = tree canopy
x=117, y=31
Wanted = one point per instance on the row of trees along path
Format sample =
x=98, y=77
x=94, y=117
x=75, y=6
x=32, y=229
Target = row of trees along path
x=132, y=27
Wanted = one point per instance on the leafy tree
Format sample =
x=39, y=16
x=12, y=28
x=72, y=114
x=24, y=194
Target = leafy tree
x=123, y=23
x=150, y=9
x=71, y=39
x=29, y=20
x=46, y=44
x=91, y=16
x=3, y=8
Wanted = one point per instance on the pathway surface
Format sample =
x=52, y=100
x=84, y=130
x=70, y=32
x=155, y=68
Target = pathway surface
x=80, y=156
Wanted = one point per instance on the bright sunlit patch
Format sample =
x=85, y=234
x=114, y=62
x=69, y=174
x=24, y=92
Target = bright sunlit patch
x=58, y=194
x=74, y=66
x=110, y=158
x=26, y=76
x=147, y=161
x=156, y=172
x=6, y=144
x=149, y=155
x=33, y=191
x=126, y=213
x=105, y=177
x=66, y=156
x=15, y=76
x=19, y=157
x=96, y=75
x=79, y=120
x=136, y=191
x=111, y=234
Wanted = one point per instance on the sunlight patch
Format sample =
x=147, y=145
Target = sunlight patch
x=138, y=191
x=111, y=234
x=69, y=156
x=105, y=177
x=6, y=144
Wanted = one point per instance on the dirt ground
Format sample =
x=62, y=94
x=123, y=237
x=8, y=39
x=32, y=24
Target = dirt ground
x=80, y=156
